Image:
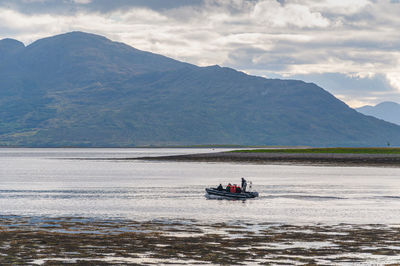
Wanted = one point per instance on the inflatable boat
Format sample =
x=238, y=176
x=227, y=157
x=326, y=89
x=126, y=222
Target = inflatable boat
x=213, y=192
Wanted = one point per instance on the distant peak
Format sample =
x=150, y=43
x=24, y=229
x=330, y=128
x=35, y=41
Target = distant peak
x=213, y=66
x=7, y=42
x=387, y=103
x=79, y=34
x=10, y=47
x=71, y=37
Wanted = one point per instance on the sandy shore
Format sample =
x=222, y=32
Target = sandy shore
x=333, y=159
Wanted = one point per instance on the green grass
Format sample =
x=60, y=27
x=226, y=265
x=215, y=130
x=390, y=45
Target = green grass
x=329, y=150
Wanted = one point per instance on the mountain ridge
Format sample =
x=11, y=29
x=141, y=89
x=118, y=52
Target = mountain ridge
x=388, y=111
x=79, y=89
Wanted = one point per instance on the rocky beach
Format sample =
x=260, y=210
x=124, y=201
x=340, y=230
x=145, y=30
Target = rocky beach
x=82, y=241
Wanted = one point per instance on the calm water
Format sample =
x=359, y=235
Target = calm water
x=51, y=182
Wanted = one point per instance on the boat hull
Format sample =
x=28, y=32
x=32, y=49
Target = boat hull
x=224, y=194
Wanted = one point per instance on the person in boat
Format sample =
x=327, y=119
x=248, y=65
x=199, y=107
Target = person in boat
x=233, y=189
x=228, y=188
x=238, y=190
x=244, y=184
x=220, y=188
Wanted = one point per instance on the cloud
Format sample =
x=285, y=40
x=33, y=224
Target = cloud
x=100, y=6
x=310, y=38
x=84, y=2
x=342, y=8
x=271, y=13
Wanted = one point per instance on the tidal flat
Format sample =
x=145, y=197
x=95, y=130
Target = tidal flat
x=313, y=157
x=50, y=241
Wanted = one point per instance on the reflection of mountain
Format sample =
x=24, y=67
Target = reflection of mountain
x=388, y=111
x=80, y=89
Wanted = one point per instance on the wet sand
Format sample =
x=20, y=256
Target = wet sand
x=54, y=241
x=326, y=159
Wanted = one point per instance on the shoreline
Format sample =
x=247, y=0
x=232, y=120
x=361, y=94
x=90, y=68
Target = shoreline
x=322, y=159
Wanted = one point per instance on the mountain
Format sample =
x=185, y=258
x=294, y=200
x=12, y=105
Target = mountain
x=9, y=47
x=80, y=89
x=388, y=111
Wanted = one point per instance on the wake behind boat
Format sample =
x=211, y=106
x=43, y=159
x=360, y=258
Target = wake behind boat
x=232, y=191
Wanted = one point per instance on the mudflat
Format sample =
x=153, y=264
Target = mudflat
x=302, y=158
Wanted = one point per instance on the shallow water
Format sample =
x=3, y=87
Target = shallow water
x=52, y=183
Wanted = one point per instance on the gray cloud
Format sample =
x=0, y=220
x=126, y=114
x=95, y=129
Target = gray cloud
x=103, y=6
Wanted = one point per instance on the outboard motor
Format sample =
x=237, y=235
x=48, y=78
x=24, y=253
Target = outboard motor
x=250, y=186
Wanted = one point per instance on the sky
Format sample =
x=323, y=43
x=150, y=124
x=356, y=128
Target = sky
x=350, y=48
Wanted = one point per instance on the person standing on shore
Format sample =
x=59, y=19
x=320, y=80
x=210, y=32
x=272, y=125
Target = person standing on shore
x=244, y=184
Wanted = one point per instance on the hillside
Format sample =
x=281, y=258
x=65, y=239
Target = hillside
x=388, y=111
x=80, y=89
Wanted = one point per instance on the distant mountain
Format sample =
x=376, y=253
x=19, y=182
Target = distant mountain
x=388, y=111
x=10, y=46
x=80, y=89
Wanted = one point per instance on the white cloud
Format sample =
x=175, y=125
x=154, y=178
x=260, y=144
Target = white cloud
x=273, y=14
x=83, y=2
x=394, y=79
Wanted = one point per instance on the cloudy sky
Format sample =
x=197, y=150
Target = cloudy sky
x=349, y=47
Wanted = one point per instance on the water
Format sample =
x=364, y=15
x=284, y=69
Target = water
x=53, y=183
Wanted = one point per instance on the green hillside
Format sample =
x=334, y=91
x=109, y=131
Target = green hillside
x=80, y=89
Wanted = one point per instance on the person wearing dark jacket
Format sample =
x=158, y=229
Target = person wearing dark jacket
x=244, y=184
x=219, y=188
